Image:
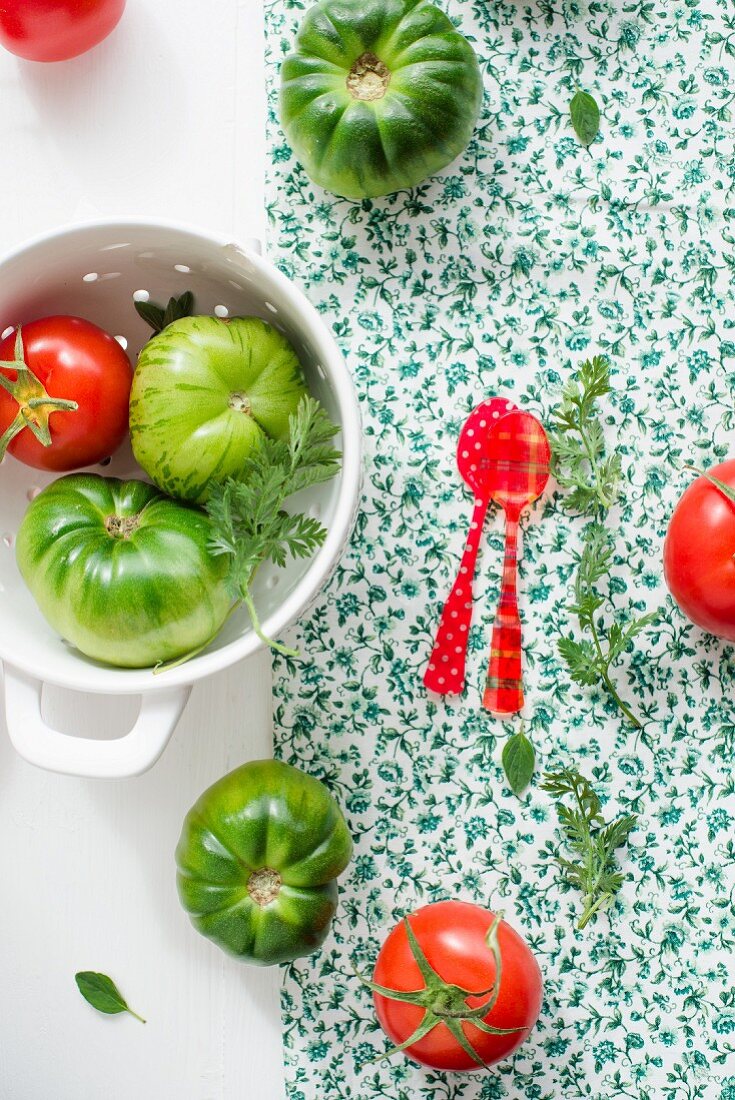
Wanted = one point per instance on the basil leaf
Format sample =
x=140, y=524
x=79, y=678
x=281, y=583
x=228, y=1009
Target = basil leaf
x=158, y=318
x=585, y=117
x=151, y=314
x=102, y=993
x=519, y=760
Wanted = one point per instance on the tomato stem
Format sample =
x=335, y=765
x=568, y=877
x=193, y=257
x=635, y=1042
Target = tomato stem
x=35, y=405
x=726, y=490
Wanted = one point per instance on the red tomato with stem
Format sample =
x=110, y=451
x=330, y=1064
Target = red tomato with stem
x=445, y=962
x=55, y=30
x=699, y=552
x=64, y=401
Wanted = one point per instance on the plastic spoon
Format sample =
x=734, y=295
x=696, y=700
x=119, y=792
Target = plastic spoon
x=518, y=469
x=446, y=669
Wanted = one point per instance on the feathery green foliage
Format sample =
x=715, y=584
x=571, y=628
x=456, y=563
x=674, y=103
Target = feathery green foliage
x=593, y=840
x=579, y=462
x=591, y=659
x=248, y=518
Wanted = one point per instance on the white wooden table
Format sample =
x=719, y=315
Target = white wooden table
x=164, y=119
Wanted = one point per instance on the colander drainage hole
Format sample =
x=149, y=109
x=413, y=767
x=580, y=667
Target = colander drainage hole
x=140, y=295
x=272, y=582
x=221, y=311
x=33, y=492
x=106, y=461
x=90, y=277
x=123, y=342
x=8, y=540
x=183, y=268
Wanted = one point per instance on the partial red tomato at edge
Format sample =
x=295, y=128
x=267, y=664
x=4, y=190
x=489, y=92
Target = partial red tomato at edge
x=699, y=553
x=72, y=363
x=56, y=30
x=453, y=938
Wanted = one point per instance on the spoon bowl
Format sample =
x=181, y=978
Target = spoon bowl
x=518, y=458
x=445, y=673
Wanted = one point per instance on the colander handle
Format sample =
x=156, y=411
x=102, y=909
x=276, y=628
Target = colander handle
x=45, y=747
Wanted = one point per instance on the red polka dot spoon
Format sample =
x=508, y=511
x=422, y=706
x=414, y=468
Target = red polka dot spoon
x=518, y=455
x=446, y=669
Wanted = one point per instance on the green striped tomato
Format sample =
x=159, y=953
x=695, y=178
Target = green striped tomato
x=121, y=571
x=258, y=859
x=378, y=94
x=204, y=393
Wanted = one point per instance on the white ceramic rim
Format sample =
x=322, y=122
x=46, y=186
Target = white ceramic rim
x=138, y=682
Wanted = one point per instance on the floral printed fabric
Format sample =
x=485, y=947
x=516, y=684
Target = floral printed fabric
x=526, y=255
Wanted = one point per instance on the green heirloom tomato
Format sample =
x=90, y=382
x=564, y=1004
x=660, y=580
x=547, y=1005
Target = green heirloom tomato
x=378, y=95
x=121, y=571
x=205, y=391
x=257, y=862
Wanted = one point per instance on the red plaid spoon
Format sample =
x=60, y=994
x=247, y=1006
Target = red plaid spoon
x=518, y=456
x=445, y=672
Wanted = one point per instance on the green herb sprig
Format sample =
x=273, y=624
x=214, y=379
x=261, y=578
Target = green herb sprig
x=594, y=841
x=590, y=660
x=579, y=462
x=102, y=993
x=249, y=522
x=159, y=318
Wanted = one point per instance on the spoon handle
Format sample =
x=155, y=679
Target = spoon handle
x=445, y=671
x=504, y=683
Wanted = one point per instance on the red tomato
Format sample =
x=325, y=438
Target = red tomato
x=55, y=30
x=452, y=935
x=699, y=561
x=73, y=360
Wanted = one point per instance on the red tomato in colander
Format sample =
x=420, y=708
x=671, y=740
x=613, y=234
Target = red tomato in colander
x=70, y=409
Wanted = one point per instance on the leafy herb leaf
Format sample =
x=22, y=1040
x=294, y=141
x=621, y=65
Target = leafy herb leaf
x=585, y=115
x=158, y=318
x=578, y=442
x=519, y=760
x=249, y=522
x=593, y=840
x=590, y=661
x=102, y=993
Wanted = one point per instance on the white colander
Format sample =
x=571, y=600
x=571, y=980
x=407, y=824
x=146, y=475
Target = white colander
x=95, y=271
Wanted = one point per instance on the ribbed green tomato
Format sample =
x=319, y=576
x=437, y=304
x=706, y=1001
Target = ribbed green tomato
x=204, y=393
x=121, y=571
x=257, y=862
x=378, y=94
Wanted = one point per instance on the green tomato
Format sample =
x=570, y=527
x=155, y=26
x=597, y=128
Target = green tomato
x=121, y=571
x=378, y=95
x=257, y=862
x=205, y=391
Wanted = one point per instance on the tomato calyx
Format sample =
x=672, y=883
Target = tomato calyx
x=121, y=527
x=369, y=77
x=446, y=1003
x=726, y=490
x=35, y=405
x=264, y=886
x=240, y=402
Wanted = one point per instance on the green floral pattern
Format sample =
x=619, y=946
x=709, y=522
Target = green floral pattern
x=526, y=255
